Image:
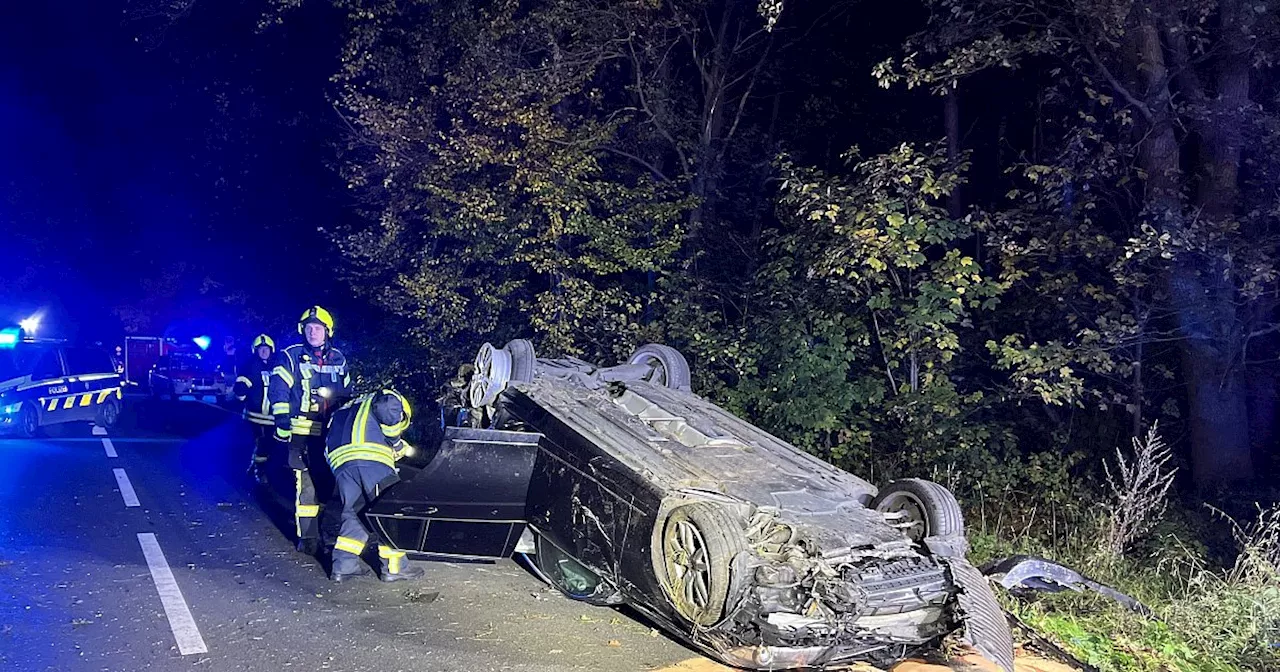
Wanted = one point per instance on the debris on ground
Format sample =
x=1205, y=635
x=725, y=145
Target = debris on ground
x=1024, y=574
x=419, y=596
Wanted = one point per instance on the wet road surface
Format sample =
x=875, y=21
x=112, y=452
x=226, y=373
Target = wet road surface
x=147, y=548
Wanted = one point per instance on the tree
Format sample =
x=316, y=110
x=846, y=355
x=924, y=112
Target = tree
x=480, y=136
x=1171, y=87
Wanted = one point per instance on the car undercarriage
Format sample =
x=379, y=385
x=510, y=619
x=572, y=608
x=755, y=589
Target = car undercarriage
x=638, y=491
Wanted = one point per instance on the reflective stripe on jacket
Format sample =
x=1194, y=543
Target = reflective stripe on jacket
x=306, y=385
x=363, y=430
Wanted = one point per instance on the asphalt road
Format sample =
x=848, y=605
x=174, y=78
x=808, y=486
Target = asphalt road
x=151, y=551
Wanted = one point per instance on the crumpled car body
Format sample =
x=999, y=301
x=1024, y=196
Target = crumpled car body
x=734, y=541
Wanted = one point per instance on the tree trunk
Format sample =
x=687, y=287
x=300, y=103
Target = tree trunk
x=1220, y=451
x=951, y=120
x=1262, y=414
x=1215, y=387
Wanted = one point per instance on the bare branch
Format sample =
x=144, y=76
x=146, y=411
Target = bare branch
x=742, y=103
x=1115, y=83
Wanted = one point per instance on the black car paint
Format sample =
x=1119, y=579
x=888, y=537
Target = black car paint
x=467, y=502
x=605, y=475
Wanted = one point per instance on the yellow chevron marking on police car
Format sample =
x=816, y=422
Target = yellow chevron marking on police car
x=103, y=394
x=84, y=399
x=70, y=401
x=53, y=404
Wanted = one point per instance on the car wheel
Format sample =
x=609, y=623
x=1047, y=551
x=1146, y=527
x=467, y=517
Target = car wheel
x=492, y=373
x=108, y=414
x=571, y=577
x=668, y=367
x=29, y=421
x=699, y=543
x=523, y=360
x=920, y=509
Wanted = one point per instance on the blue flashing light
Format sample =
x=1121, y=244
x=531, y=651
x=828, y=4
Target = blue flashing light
x=202, y=341
x=9, y=337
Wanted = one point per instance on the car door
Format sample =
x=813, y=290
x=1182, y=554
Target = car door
x=468, y=502
x=92, y=377
x=49, y=372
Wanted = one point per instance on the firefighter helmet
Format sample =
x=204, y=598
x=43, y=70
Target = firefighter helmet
x=319, y=316
x=408, y=412
x=263, y=339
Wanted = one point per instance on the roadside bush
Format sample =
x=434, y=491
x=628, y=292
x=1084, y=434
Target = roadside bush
x=1210, y=618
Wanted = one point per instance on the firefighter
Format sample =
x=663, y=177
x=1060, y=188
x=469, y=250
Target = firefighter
x=309, y=381
x=363, y=445
x=251, y=390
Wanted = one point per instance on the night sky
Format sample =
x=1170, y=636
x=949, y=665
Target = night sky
x=137, y=150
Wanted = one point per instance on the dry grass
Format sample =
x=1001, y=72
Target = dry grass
x=1139, y=491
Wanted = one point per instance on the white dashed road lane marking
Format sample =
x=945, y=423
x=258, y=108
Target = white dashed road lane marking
x=107, y=446
x=175, y=607
x=99, y=431
x=126, y=488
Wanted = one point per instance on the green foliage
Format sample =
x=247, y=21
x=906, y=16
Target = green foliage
x=862, y=322
x=557, y=169
x=490, y=204
x=1209, y=618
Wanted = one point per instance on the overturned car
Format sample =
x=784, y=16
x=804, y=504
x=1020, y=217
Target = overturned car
x=627, y=488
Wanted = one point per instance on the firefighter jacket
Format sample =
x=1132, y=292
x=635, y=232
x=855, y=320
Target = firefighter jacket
x=251, y=389
x=307, y=385
x=368, y=428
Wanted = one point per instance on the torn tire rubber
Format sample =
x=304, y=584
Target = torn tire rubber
x=523, y=360
x=669, y=367
x=699, y=542
x=921, y=509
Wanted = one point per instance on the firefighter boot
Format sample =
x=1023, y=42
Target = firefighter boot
x=346, y=559
x=396, y=567
x=348, y=574
x=406, y=573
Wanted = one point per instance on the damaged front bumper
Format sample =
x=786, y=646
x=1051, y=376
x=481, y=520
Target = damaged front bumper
x=894, y=608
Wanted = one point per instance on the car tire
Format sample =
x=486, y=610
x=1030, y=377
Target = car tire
x=523, y=360
x=108, y=414
x=699, y=542
x=670, y=368
x=930, y=509
x=29, y=421
x=574, y=580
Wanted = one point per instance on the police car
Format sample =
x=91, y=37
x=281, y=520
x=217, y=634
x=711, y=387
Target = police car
x=47, y=382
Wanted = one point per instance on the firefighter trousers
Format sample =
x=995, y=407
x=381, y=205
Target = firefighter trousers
x=263, y=443
x=359, y=482
x=312, y=484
